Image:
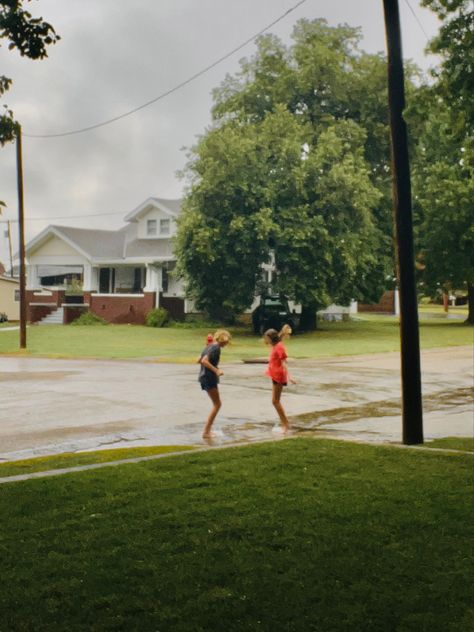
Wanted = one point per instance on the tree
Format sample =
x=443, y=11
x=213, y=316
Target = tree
x=444, y=156
x=296, y=165
x=444, y=191
x=31, y=37
x=455, y=45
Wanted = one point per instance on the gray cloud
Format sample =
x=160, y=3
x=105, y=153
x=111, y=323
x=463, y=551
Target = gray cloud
x=113, y=56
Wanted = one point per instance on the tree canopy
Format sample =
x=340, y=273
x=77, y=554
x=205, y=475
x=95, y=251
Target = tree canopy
x=295, y=166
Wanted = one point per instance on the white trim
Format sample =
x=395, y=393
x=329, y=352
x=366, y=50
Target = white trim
x=93, y=294
x=130, y=260
x=73, y=304
x=43, y=304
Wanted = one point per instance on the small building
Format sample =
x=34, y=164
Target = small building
x=10, y=297
x=119, y=275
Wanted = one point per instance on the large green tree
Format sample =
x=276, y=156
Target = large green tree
x=296, y=164
x=443, y=164
x=455, y=44
x=444, y=198
x=30, y=36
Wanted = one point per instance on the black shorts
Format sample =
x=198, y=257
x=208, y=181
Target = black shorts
x=207, y=384
x=280, y=383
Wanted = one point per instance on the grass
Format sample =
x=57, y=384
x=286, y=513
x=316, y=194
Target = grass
x=453, y=443
x=433, y=308
x=370, y=334
x=294, y=536
x=9, y=323
x=71, y=459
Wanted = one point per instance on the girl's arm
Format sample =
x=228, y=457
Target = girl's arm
x=205, y=362
x=285, y=366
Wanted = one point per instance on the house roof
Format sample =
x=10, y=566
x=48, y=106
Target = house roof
x=115, y=245
x=148, y=248
x=95, y=243
x=172, y=207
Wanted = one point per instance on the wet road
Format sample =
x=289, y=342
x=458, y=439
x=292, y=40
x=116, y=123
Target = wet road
x=51, y=406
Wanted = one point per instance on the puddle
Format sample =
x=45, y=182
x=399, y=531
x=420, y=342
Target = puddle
x=458, y=401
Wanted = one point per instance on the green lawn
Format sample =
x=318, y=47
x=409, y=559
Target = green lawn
x=370, y=334
x=452, y=443
x=71, y=459
x=294, y=536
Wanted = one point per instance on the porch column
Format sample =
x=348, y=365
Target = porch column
x=32, y=280
x=153, y=281
x=87, y=278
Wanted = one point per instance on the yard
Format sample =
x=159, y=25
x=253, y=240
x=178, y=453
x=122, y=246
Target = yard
x=367, y=334
x=296, y=535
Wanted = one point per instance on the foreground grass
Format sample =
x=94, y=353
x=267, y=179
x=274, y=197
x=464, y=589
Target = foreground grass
x=453, y=443
x=298, y=535
x=372, y=334
x=71, y=459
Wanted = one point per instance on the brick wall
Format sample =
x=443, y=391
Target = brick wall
x=116, y=308
x=35, y=313
x=72, y=312
x=39, y=305
x=385, y=305
x=174, y=306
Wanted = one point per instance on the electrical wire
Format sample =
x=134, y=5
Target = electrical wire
x=418, y=20
x=46, y=219
x=168, y=92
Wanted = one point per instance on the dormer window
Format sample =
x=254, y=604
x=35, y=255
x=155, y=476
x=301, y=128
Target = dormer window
x=151, y=227
x=164, y=226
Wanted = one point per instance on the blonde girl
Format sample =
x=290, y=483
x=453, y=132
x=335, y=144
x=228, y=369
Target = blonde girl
x=209, y=374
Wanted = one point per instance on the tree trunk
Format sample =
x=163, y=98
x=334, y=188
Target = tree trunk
x=470, y=302
x=308, y=321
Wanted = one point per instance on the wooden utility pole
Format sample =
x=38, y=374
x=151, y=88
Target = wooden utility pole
x=21, y=227
x=9, y=229
x=409, y=332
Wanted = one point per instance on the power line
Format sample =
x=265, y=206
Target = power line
x=177, y=87
x=45, y=219
x=418, y=20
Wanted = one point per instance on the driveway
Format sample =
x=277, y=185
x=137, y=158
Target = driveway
x=50, y=406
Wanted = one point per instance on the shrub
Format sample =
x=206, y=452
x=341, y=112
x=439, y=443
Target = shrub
x=3, y=317
x=89, y=318
x=157, y=317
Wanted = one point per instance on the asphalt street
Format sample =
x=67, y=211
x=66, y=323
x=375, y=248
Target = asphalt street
x=49, y=406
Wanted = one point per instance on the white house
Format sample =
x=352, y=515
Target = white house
x=119, y=275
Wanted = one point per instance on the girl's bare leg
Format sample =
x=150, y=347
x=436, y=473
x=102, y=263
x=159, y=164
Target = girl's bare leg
x=276, y=394
x=216, y=405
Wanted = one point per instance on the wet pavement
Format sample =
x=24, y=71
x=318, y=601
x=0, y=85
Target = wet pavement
x=51, y=406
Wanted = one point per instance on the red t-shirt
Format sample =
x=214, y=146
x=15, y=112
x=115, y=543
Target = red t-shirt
x=276, y=370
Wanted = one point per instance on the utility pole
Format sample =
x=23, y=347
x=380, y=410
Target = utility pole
x=9, y=231
x=21, y=227
x=409, y=331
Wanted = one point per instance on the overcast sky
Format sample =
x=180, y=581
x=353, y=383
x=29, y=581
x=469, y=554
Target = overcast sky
x=117, y=54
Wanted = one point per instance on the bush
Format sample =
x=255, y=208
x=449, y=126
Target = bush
x=89, y=318
x=3, y=317
x=157, y=317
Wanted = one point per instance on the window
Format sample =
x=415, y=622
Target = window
x=164, y=226
x=151, y=227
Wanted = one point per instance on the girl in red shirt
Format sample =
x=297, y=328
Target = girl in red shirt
x=278, y=372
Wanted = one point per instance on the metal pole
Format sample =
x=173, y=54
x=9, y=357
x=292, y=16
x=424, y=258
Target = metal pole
x=409, y=332
x=21, y=227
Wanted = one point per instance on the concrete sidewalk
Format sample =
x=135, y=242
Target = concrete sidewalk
x=52, y=406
